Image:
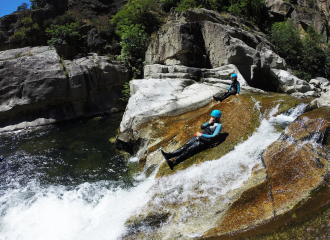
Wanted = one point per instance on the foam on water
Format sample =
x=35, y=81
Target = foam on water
x=99, y=210
x=90, y=211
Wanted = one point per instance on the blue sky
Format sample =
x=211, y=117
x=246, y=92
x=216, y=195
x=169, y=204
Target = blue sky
x=9, y=6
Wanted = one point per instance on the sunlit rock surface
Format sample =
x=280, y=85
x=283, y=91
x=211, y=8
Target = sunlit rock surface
x=204, y=198
x=298, y=162
x=37, y=87
x=204, y=39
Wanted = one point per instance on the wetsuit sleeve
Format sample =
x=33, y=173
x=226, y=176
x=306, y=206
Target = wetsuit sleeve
x=230, y=86
x=238, y=85
x=216, y=132
x=204, y=125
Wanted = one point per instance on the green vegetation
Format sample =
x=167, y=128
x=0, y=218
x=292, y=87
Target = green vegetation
x=304, y=55
x=26, y=31
x=134, y=24
x=249, y=9
x=63, y=34
x=35, y=4
x=145, y=13
x=134, y=44
x=23, y=7
x=65, y=30
x=126, y=92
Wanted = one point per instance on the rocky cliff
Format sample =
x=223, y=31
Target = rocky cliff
x=304, y=13
x=38, y=87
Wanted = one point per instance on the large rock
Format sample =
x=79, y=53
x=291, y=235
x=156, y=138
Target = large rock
x=201, y=38
x=198, y=199
x=288, y=83
x=279, y=8
x=324, y=100
x=298, y=163
x=37, y=87
x=203, y=200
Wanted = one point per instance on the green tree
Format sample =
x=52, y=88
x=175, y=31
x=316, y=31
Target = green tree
x=287, y=40
x=23, y=7
x=35, y=4
x=143, y=12
x=313, y=56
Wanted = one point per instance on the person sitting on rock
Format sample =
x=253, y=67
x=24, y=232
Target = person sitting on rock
x=201, y=141
x=233, y=89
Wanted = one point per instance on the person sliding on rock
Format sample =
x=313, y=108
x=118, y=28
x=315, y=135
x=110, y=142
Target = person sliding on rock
x=233, y=89
x=199, y=142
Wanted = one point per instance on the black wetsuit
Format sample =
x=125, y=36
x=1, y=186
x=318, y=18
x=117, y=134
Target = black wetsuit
x=232, y=90
x=198, y=144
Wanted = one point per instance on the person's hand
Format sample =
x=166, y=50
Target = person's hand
x=211, y=120
x=226, y=90
x=237, y=94
x=198, y=134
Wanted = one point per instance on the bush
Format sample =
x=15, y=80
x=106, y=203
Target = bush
x=134, y=44
x=19, y=35
x=63, y=34
x=68, y=17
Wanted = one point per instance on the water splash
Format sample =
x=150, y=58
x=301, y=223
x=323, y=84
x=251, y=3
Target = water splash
x=90, y=211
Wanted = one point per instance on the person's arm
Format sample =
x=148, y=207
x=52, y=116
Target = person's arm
x=216, y=132
x=238, y=88
x=205, y=125
x=230, y=87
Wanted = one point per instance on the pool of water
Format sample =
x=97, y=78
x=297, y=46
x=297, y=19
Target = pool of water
x=68, y=153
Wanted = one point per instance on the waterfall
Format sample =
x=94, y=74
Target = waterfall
x=99, y=210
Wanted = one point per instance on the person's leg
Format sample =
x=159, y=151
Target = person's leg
x=180, y=150
x=193, y=149
x=226, y=95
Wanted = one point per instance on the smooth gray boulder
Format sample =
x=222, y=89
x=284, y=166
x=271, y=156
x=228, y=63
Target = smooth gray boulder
x=322, y=101
x=288, y=83
x=37, y=87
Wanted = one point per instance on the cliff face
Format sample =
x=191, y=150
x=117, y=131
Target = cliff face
x=304, y=12
x=37, y=87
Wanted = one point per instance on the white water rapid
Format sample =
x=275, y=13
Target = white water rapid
x=99, y=211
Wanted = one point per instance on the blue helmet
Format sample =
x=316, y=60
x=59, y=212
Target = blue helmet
x=216, y=113
x=234, y=75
